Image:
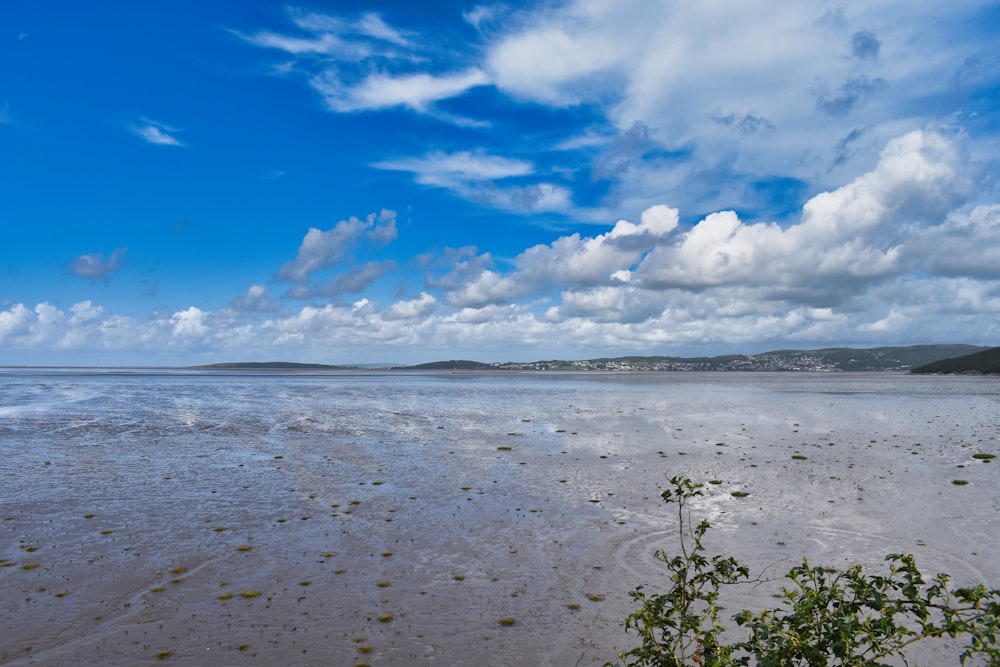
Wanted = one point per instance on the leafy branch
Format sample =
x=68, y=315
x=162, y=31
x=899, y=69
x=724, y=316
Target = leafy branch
x=850, y=619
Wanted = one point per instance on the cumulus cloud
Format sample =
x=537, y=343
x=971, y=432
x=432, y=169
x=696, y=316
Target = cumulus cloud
x=845, y=238
x=15, y=322
x=417, y=308
x=570, y=261
x=96, y=266
x=353, y=281
x=190, y=323
x=558, y=62
x=322, y=249
x=945, y=249
x=877, y=228
x=462, y=264
x=255, y=301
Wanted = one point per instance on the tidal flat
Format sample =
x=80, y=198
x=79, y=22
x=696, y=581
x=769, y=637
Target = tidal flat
x=454, y=518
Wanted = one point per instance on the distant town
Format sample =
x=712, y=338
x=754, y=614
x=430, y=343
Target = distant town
x=899, y=359
x=742, y=363
x=823, y=360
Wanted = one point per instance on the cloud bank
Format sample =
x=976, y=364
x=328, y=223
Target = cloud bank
x=904, y=253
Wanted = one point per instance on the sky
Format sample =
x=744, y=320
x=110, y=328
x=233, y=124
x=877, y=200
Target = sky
x=382, y=181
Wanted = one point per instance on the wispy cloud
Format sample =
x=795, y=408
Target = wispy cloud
x=378, y=91
x=760, y=92
x=480, y=177
x=372, y=25
x=324, y=44
x=451, y=170
x=482, y=16
x=365, y=64
x=157, y=133
x=96, y=266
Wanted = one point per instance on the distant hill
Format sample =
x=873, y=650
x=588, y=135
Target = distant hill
x=266, y=366
x=881, y=358
x=455, y=364
x=986, y=362
x=828, y=359
x=916, y=357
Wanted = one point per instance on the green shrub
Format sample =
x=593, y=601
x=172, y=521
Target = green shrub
x=850, y=619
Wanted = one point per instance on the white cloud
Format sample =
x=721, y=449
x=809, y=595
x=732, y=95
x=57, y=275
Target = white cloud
x=462, y=264
x=328, y=35
x=570, y=261
x=353, y=281
x=380, y=91
x=481, y=16
x=536, y=198
x=255, y=300
x=15, y=322
x=846, y=237
x=322, y=249
x=345, y=61
x=479, y=177
x=85, y=311
x=190, y=323
x=790, y=92
x=371, y=24
x=752, y=92
x=325, y=43
x=417, y=308
x=456, y=171
x=550, y=64
x=945, y=249
x=156, y=133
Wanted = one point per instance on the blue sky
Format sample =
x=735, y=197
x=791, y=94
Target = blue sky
x=360, y=182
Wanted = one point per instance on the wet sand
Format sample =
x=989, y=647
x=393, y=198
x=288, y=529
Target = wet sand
x=319, y=522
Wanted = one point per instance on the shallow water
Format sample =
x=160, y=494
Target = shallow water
x=468, y=497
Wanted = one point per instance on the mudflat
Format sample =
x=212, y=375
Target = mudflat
x=454, y=519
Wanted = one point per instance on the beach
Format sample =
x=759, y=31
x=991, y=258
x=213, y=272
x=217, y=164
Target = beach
x=454, y=518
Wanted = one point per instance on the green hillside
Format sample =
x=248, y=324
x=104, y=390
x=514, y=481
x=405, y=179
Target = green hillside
x=986, y=362
x=265, y=366
x=455, y=364
x=828, y=359
x=880, y=358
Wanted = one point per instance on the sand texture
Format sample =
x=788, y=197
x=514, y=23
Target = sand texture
x=453, y=519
